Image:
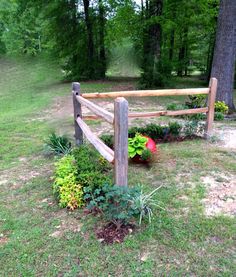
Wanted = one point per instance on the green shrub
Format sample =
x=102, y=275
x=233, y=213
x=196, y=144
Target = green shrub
x=197, y=117
x=155, y=131
x=88, y=159
x=114, y=202
x=134, y=130
x=58, y=145
x=192, y=128
x=120, y=205
x=196, y=101
x=92, y=169
x=219, y=116
x=146, y=154
x=221, y=107
x=172, y=107
x=93, y=179
x=174, y=128
x=176, y=107
x=108, y=140
x=66, y=187
x=136, y=145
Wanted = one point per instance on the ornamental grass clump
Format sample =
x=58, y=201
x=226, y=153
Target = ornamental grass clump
x=145, y=203
x=57, y=145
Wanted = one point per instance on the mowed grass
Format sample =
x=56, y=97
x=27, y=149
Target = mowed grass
x=27, y=87
x=39, y=239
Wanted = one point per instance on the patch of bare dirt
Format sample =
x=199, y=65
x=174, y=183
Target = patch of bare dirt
x=226, y=136
x=19, y=175
x=68, y=225
x=221, y=195
x=3, y=239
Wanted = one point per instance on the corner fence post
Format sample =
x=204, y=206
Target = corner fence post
x=77, y=112
x=211, y=107
x=121, y=141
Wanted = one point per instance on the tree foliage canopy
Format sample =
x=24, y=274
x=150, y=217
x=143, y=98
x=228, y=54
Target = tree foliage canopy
x=169, y=37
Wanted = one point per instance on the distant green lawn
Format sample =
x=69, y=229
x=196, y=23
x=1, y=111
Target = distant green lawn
x=39, y=239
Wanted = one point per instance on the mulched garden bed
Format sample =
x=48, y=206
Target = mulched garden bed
x=109, y=233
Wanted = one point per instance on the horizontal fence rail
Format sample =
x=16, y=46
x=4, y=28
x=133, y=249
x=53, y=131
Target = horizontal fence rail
x=119, y=120
x=145, y=93
x=157, y=114
x=109, y=117
x=102, y=148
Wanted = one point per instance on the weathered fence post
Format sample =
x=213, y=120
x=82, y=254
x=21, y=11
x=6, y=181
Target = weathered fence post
x=121, y=141
x=211, y=106
x=77, y=112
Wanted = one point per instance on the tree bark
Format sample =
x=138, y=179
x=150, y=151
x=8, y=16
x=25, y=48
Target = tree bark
x=172, y=45
x=183, y=52
x=225, y=52
x=102, y=53
x=90, y=41
x=155, y=29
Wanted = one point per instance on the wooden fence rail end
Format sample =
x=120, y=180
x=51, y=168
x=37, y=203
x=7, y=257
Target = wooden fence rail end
x=109, y=117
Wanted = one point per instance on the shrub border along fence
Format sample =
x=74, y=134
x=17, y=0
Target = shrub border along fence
x=119, y=120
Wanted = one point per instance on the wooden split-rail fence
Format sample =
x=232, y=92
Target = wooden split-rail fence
x=119, y=120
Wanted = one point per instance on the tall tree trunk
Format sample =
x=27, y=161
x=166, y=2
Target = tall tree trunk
x=90, y=41
x=102, y=53
x=186, y=61
x=183, y=52
x=172, y=44
x=210, y=53
x=155, y=29
x=225, y=52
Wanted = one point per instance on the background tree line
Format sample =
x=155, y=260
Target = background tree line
x=169, y=37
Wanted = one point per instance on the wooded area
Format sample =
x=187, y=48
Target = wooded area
x=169, y=37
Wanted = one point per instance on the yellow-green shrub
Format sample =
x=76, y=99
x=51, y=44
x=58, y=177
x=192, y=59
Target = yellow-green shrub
x=221, y=107
x=70, y=193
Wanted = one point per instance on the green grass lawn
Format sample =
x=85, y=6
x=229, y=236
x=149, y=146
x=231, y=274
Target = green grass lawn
x=37, y=238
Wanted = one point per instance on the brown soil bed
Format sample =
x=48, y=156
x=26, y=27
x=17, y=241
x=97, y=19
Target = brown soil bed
x=109, y=233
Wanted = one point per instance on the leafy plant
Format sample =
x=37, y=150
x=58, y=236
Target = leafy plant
x=114, y=202
x=58, y=145
x=120, y=205
x=196, y=101
x=133, y=131
x=68, y=190
x=93, y=179
x=136, y=145
x=221, y=107
x=155, y=131
x=193, y=128
x=174, y=128
x=196, y=117
x=146, y=154
x=92, y=169
x=108, y=140
x=218, y=116
x=176, y=107
x=88, y=159
x=144, y=204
